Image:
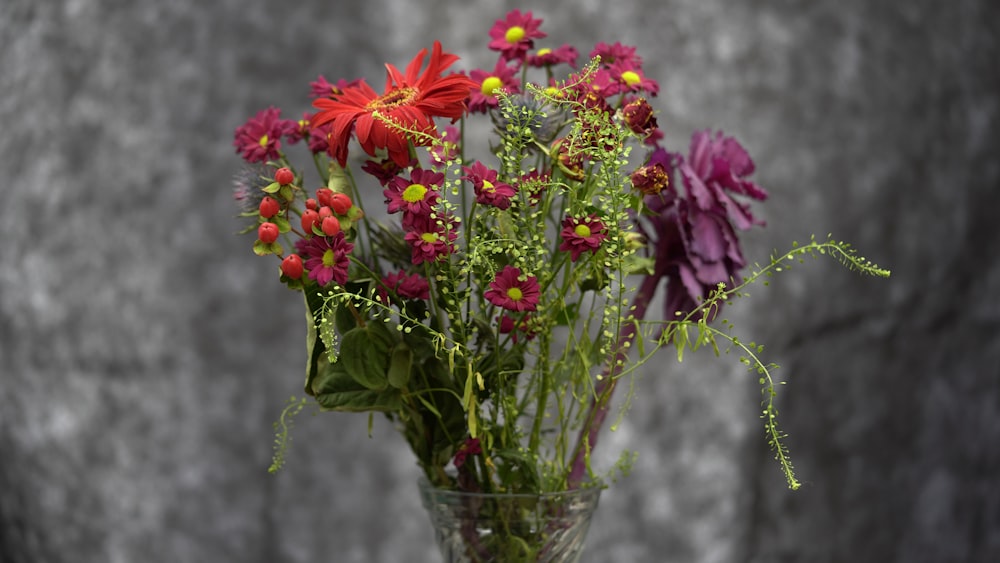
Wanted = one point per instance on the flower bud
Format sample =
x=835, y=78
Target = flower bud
x=284, y=176
x=341, y=203
x=292, y=266
x=651, y=179
x=269, y=207
x=638, y=115
x=309, y=218
x=267, y=233
x=331, y=226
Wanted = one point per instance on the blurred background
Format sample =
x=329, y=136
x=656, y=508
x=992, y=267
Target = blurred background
x=145, y=351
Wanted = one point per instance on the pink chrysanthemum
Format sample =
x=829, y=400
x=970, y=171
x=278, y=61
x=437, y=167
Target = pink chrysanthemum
x=431, y=238
x=385, y=170
x=548, y=57
x=326, y=258
x=507, y=325
x=509, y=291
x=488, y=190
x=611, y=54
x=630, y=78
x=582, y=234
x=416, y=196
x=515, y=35
x=448, y=149
x=259, y=139
x=411, y=286
x=503, y=77
x=321, y=88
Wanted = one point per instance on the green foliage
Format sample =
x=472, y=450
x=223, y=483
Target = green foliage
x=283, y=428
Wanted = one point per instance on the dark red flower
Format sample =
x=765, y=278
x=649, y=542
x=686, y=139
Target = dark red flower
x=411, y=100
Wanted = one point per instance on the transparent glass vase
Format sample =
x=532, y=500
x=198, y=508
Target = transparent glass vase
x=510, y=528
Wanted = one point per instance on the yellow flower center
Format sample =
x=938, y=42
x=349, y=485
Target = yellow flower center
x=393, y=98
x=263, y=141
x=582, y=231
x=488, y=186
x=329, y=259
x=429, y=238
x=414, y=193
x=490, y=85
x=544, y=51
x=515, y=294
x=631, y=78
x=514, y=34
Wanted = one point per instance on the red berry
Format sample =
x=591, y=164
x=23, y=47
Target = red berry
x=309, y=218
x=331, y=226
x=267, y=233
x=269, y=207
x=323, y=196
x=325, y=212
x=284, y=176
x=341, y=203
x=292, y=267
x=311, y=204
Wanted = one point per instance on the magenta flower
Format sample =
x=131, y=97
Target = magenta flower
x=259, y=139
x=488, y=190
x=503, y=77
x=320, y=88
x=629, y=77
x=509, y=291
x=407, y=286
x=448, y=150
x=326, y=258
x=694, y=237
x=548, y=57
x=611, y=54
x=430, y=238
x=514, y=35
x=416, y=196
x=715, y=167
x=385, y=170
x=581, y=234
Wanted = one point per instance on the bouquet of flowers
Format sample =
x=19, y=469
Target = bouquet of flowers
x=491, y=307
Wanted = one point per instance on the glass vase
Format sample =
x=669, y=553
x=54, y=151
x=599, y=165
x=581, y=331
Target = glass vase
x=510, y=528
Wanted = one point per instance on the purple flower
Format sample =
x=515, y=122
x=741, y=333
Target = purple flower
x=259, y=139
x=693, y=236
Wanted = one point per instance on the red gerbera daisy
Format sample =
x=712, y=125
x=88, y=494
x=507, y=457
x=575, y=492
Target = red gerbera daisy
x=411, y=99
x=509, y=291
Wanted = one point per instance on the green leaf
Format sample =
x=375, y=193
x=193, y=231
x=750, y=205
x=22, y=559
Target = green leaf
x=365, y=358
x=400, y=365
x=271, y=188
x=335, y=389
x=287, y=193
x=283, y=225
x=315, y=351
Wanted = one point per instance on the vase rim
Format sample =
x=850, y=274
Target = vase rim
x=586, y=490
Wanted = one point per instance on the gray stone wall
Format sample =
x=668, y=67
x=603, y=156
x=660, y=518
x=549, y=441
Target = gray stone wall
x=145, y=351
